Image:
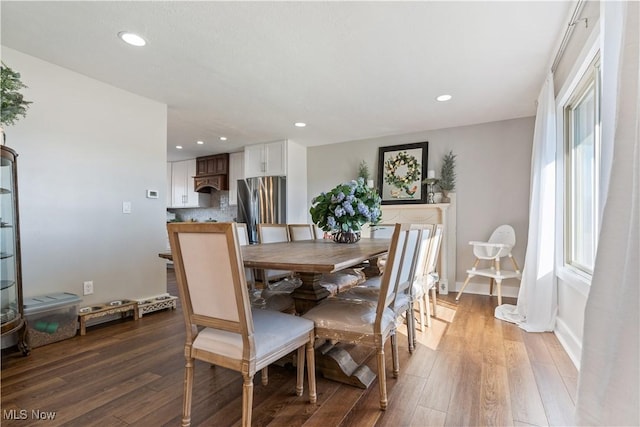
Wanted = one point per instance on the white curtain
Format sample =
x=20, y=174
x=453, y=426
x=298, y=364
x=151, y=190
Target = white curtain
x=537, y=298
x=609, y=381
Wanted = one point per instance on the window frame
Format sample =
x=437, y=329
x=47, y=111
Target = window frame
x=589, y=82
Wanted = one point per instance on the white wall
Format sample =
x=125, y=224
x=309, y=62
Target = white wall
x=493, y=168
x=84, y=148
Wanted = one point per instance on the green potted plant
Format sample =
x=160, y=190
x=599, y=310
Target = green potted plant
x=13, y=104
x=447, y=180
x=345, y=209
x=363, y=172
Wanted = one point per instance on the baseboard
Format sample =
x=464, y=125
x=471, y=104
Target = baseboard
x=569, y=342
x=509, y=288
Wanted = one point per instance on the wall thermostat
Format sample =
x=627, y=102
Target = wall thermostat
x=152, y=194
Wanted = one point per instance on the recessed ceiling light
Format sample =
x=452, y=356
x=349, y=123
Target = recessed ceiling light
x=132, y=39
x=199, y=142
x=443, y=98
x=223, y=138
x=299, y=124
x=179, y=147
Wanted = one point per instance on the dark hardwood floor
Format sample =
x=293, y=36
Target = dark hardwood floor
x=469, y=369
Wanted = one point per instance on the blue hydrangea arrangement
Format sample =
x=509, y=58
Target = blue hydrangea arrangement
x=347, y=207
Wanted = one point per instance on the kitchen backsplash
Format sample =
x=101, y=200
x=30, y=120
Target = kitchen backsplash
x=220, y=210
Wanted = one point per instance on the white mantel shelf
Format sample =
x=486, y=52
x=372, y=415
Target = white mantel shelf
x=435, y=213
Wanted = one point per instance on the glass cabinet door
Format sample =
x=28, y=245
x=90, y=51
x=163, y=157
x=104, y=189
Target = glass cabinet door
x=11, y=310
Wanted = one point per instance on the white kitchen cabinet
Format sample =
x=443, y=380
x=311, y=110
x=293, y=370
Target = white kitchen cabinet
x=267, y=159
x=236, y=172
x=182, y=186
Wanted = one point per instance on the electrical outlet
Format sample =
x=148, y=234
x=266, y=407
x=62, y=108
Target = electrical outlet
x=88, y=287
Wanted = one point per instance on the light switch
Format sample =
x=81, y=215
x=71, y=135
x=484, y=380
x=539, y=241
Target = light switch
x=126, y=207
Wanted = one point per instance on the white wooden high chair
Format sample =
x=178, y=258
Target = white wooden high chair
x=502, y=240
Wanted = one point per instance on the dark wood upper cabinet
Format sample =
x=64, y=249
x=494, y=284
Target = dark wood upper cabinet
x=213, y=165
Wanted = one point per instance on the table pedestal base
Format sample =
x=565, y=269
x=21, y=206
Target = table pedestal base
x=336, y=362
x=310, y=293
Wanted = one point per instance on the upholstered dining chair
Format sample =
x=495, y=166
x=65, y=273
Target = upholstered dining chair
x=301, y=232
x=372, y=324
x=499, y=245
x=243, y=240
x=273, y=233
x=370, y=289
x=221, y=328
x=427, y=278
x=382, y=231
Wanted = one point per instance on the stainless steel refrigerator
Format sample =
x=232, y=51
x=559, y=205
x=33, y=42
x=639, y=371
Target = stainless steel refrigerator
x=262, y=200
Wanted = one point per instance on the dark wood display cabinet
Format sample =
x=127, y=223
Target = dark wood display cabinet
x=11, y=307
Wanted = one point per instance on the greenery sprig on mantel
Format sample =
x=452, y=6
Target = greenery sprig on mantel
x=447, y=180
x=363, y=171
x=13, y=104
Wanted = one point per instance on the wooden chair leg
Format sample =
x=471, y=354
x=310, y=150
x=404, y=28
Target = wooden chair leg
x=464, y=285
x=300, y=369
x=394, y=355
x=515, y=264
x=499, y=286
x=421, y=316
x=491, y=281
x=411, y=328
x=311, y=370
x=435, y=301
x=188, y=392
x=247, y=400
x=382, y=377
x=425, y=302
x=265, y=375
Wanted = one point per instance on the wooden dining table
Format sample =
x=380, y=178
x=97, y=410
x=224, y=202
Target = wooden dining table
x=309, y=259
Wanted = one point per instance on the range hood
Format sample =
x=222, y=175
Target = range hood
x=212, y=173
x=210, y=183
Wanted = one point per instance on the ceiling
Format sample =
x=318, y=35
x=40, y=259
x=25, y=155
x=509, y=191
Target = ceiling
x=350, y=70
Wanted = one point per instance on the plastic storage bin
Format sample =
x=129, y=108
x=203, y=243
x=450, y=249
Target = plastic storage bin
x=51, y=318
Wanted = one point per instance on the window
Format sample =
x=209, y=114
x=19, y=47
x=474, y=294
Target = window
x=582, y=158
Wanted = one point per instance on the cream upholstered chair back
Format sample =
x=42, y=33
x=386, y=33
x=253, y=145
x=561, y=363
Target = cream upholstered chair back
x=211, y=278
x=382, y=231
x=243, y=233
x=243, y=240
x=273, y=233
x=423, y=249
x=434, y=249
x=398, y=275
x=301, y=232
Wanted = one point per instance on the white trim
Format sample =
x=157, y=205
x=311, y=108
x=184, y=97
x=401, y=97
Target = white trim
x=510, y=288
x=571, y=344
x=575, y=279
x=581, y=65
x=584, y=60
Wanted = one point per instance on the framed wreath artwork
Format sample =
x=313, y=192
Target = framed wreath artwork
x=401, y=169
